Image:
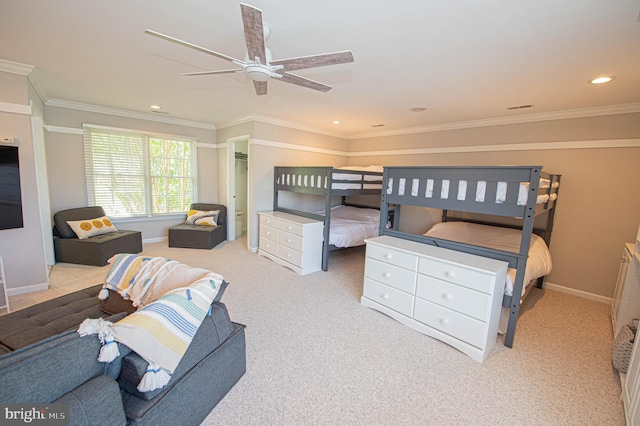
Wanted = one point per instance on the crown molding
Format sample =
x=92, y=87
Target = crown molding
x=38, y=85
x=501, y=121
x=15, y=67
x=128, y=114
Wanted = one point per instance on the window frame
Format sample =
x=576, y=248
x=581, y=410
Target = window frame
x=111, y=167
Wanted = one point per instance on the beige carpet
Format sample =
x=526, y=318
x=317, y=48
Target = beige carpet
x=315, y=356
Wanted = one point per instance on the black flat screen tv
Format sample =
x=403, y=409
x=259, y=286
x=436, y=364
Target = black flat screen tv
x=10, y=196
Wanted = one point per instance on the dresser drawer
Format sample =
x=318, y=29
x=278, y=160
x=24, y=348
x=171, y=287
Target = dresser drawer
x=268, y=220
x=269, y=233
x=400, y=278
x=290, y=255
x=469, y=302
x=450, y=322
x=294, y=228
x=456, y=274
x=390, y=297
x=395, y=257
x=290, y=240
x=269, y=246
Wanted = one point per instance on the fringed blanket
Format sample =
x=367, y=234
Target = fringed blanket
x=144, y=279
x=162, y=330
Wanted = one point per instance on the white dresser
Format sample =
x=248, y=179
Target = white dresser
x=292, y=241
x=625, y=305
x=452, y=296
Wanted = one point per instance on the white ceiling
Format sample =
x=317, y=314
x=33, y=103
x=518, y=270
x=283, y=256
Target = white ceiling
x=463, y=60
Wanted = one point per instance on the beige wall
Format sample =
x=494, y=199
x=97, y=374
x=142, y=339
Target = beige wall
x=65, y=162
x=272, y=145
x=22, y=249
x=598, y=208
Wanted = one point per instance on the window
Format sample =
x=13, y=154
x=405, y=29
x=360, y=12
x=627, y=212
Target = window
x=133, y=174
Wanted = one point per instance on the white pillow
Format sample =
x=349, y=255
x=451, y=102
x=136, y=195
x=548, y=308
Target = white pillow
x=199, y=217
x=90, y=227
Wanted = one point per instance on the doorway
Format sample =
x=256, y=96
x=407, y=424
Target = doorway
x=237, y=188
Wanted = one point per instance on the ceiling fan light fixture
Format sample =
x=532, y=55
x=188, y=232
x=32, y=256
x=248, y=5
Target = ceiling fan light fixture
x=258, y=73
x=601, y=80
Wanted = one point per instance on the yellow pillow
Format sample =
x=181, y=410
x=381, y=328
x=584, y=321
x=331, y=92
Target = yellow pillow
x=90, y=227
x=199, y=217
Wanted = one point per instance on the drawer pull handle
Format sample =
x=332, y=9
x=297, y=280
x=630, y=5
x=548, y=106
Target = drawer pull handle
x=447, y=296
x=450, y=274
x=387, y=256
x=384, y=296
x=289, y=240
x=444, y=321
x=268, y=232
x=289, y=227
x=386, y=274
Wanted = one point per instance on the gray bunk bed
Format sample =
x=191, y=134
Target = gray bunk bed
x=327, y=182
x=501, y=196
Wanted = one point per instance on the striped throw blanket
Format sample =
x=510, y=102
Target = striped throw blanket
x=162, y=330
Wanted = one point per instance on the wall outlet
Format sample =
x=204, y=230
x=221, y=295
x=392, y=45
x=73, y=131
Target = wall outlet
x=7, y=139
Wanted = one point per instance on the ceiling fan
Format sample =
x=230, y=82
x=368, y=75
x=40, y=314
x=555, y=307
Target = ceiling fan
x=258, y=64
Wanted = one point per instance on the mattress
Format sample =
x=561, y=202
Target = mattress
x=375, y=181
x=481, y=189
x=350, y=226
x=506, y=239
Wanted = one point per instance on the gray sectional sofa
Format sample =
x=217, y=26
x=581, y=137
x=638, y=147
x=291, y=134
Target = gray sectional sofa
x=42, y=365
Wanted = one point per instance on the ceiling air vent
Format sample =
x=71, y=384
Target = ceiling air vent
x=520, y=107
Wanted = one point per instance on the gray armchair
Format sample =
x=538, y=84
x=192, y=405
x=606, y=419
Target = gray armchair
x=96, y=250
x=198, y=236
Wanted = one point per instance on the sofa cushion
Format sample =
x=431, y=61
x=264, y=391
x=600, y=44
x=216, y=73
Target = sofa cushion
x=214, y=330
x=96, y=402
x=46, y=319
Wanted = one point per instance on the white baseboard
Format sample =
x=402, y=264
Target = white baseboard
x=27, y=289
x=579, y=293
x=154, y=240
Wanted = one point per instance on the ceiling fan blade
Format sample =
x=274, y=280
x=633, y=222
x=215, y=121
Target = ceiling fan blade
x=193, y=46
x=314, y=61
x=261, y=87
x=213, y=72
x=305, y=82
x=253, y=32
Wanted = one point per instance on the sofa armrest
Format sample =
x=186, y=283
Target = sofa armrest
x=27, y=375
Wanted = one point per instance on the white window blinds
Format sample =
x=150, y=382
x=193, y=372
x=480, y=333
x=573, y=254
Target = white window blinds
x=133, y=173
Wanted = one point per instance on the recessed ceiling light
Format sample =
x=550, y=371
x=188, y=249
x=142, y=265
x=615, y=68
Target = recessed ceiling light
x=418, y=109
x=601, y=80
x=154, y=106
x=336, y=122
